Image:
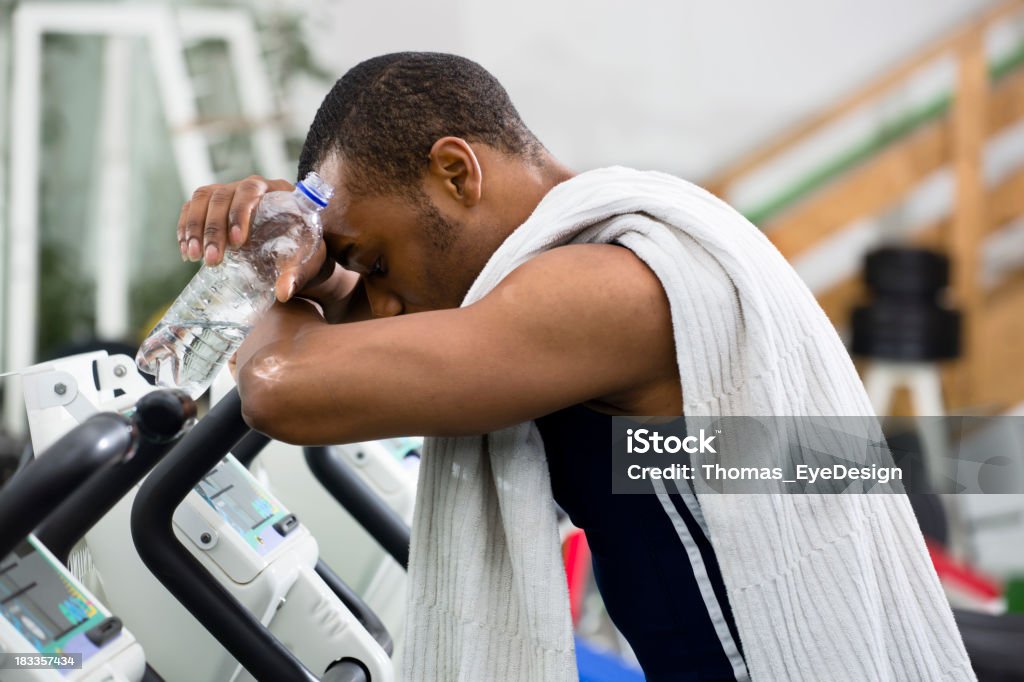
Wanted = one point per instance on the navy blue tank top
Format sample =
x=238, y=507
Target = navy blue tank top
x=649, y=586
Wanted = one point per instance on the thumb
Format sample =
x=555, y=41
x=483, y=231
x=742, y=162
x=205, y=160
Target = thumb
x=288, y=284
x=296, y=275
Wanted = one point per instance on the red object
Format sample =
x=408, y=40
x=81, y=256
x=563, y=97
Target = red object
x=961, y=576
x=577, y=570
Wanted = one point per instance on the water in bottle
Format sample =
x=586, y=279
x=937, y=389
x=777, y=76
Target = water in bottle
x=212, y=316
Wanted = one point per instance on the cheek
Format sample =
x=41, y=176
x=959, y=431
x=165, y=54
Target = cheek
x=425, y=283
x=449, y=280
x=430, y=278
x=409, y=279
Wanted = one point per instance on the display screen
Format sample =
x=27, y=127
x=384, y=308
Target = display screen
x=44, y=605
x=244, y=504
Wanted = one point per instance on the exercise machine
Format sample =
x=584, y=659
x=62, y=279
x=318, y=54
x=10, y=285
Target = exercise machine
x=257, y=550
x=264, y=649
x=357, y=499
x=51, y=626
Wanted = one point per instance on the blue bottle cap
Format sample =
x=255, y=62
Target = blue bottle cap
x=315, y=188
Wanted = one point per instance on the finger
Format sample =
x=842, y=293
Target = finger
x=182, y=217
x=195, y=221
x=295, y=276
x=215, y=233
x=243, y=203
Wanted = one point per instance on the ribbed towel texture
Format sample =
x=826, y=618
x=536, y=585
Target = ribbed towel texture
x=836, y=587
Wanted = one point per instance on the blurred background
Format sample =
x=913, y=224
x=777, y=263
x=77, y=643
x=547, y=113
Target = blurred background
x=835, y=127
x=879, y=145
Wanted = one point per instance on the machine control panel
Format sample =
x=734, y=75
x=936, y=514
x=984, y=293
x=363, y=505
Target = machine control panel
x=247, y=507
x=47, y=607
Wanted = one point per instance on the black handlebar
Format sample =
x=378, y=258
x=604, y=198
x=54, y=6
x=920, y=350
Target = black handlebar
x=227, y=620
x=160, y=418
x=360, y=609
x=44, y=483
x=360, y=500
x=249, y=448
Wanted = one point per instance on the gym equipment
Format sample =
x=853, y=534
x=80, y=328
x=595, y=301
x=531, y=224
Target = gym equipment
x=189, y=578
x=32, y=493
x=993, y=643
x=359, y=499
x=906, y=272
x=350, y=521
x=258, y=551
x=161, y=417
x=906, y=331
x=44, y=609
x=905, y=321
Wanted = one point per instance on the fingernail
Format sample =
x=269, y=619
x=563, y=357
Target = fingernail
x=211, y=253
x=181, y=247
x=291, y=288
x=193, y=249
x=236, y=235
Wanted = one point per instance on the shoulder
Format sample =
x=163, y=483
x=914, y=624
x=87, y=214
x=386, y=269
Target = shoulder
x=603, y=277
x=601, y=310
x=597, y=305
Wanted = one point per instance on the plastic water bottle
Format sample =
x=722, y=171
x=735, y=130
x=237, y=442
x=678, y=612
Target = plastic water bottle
x=212, y=316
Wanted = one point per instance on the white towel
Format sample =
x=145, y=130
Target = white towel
x=822, y=587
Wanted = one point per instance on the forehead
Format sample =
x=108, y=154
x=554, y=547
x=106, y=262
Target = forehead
x=338, y=214
x=355, y=215
x=334, y=173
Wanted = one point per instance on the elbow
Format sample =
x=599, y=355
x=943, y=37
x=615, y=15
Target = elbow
x=255, y=415
x=262, y=389
x=255, y=405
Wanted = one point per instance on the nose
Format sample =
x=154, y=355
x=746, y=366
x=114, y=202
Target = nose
x=382, y=303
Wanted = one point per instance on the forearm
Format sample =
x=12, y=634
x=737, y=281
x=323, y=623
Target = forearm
x=280, y=378
x=289, y=370
x=283, y=322
x=298, y=387
x=272, y=370
x=310, y=383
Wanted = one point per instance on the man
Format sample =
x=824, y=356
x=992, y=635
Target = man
x=433, y=170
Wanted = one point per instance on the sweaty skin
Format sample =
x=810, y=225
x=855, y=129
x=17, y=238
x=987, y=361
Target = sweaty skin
x=388, y=352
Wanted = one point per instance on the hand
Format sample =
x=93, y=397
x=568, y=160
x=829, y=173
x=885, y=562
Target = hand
x=333, y=289
x=219, y=217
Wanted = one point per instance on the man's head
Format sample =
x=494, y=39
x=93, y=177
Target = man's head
x=407, y=139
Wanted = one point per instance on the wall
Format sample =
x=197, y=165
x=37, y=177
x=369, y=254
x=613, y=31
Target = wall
x=681, y=86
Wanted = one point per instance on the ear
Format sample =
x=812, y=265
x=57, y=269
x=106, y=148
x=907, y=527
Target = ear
x=454, y=164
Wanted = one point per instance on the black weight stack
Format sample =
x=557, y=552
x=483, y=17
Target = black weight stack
x=906, y=319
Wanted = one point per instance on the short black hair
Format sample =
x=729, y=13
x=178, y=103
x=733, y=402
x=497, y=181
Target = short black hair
x=386, y=113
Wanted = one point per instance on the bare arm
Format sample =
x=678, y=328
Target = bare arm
x=575, y=324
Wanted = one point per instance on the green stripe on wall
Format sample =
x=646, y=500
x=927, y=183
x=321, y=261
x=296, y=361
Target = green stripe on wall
x=868, y=147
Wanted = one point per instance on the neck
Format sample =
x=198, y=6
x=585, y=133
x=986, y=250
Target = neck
x=528, y=186
x=514, y=190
